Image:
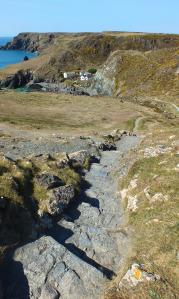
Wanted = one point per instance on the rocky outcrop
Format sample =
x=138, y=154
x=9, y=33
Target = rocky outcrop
x=31, y=42
x=19, y=79
x=58, y=88
x=79, y=157
x=104, y=80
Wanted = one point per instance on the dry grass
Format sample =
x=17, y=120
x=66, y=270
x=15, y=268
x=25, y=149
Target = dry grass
x=65, y=113
x=154, y=73
x=154, y=224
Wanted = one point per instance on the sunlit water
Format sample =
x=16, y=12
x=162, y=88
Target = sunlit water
x=8, y=57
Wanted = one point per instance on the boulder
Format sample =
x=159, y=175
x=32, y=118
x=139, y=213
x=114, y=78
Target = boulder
x=59, y=199
x=79, y=157
x=49, y=180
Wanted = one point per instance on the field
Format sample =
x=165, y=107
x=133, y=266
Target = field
x=68, y=114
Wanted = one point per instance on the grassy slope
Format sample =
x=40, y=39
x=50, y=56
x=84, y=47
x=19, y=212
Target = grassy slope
x=155, y=224
x=155, y=73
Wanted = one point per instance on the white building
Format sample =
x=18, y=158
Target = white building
x=85, y=76
x=70, y=75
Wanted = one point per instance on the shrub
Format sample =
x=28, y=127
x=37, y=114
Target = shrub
x=92, y=71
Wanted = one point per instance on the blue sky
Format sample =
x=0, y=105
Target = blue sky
x=88, y=15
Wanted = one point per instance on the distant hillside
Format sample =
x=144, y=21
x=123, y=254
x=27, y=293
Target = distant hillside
x=127, y=63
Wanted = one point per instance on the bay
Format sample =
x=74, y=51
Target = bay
x=8, y=57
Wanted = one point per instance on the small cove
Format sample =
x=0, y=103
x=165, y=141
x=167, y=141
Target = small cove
x=8, y=57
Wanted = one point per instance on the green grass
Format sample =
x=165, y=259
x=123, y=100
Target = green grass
x=154, y=225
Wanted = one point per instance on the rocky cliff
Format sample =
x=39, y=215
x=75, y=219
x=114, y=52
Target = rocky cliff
x=136, y=73
x=31, y=41
x=94, y=43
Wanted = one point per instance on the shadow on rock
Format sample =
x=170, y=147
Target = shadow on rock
x=14, y=281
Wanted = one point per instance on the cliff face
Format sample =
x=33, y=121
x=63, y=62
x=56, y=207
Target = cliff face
x=31, y=41
x=93, y=43
x=135, y=73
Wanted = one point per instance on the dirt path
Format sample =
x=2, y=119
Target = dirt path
x=176, y=107
x=137, y=123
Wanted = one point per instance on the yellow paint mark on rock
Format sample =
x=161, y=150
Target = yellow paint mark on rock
x=137, y=274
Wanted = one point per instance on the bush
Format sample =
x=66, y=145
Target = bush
x=92, y=71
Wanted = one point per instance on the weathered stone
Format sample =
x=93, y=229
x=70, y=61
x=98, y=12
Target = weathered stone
x=79, y=157
x=47, y=262
x=132, y=203
x=136, y=275
x=59, y=199
x=48, y=292
x=49, y=180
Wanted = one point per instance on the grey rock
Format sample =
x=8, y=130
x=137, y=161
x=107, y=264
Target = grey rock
x=59, y=199
x=79, y=157
x=48, y=292
x=46, y=262
x=104, y=80
x=49, y=180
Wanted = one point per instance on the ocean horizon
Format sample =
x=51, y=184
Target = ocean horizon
x=8, y=57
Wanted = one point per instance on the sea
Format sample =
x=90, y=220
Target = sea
x=8, y=57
